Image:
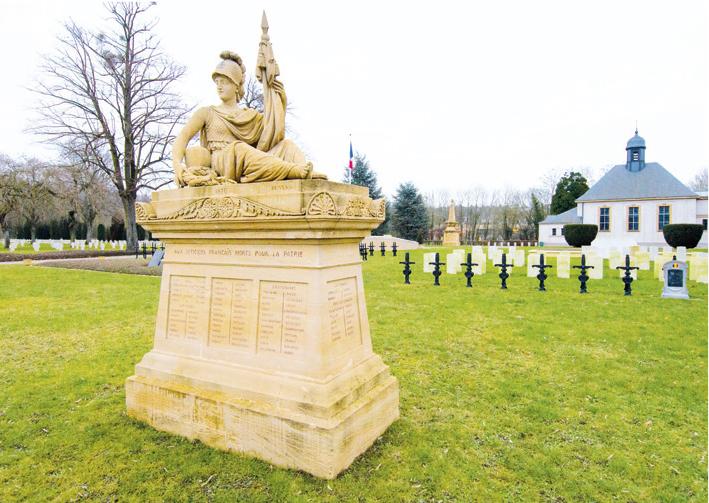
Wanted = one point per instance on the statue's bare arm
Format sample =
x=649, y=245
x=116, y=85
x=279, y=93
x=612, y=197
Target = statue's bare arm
x=193, y=126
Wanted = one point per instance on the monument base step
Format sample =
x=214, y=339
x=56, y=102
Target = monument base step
x=232, y=420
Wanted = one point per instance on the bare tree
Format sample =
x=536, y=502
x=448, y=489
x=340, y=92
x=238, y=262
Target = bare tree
x=112, y=92
x=85, y=188
x=37, y=192
x=10, y=194
x=700, y=181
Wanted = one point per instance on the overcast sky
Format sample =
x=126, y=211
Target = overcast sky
x=448, y=95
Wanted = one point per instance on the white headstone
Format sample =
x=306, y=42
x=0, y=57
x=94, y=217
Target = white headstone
x=615, y=258
x=682, y=253
x=518, y=258
x=427, y=259
x=35, y=246
x=597, y=262
x=453, y=262
x=563, y=265
x=481, y=260
x=532, y=259
x=643, y=258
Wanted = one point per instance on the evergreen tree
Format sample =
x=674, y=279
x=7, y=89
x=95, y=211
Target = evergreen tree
x=571, y=186
x=535, y=214
x=361, y=174
x=409, y=219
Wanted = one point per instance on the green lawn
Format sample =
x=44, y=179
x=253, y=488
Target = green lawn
x=505, y=395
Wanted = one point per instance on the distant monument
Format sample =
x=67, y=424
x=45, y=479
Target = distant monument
x=451, y=234
x=262, y=342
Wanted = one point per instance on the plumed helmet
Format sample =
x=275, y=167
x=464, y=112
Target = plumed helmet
x=231, y=67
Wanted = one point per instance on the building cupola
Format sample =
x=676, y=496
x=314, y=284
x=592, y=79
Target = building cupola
x=635, y=153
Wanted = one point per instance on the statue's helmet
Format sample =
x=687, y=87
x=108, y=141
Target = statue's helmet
x=231, y=67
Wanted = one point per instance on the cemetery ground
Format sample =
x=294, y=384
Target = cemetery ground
x=505, y=395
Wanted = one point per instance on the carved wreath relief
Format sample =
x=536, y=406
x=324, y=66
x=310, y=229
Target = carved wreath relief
x=230, y=207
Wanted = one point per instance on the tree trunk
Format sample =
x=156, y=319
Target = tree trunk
x=89, y=231
x=33, y=232
x=129, y=220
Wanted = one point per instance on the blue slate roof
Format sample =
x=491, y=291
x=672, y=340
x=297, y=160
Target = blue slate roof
x=568, y=217
x=653, y=181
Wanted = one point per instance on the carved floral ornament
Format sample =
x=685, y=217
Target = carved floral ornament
x=321, y=204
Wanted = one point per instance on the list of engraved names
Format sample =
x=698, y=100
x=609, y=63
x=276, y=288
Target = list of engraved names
x=185, y=303
x=343, y=311
x=282, y=316
x=230, y=317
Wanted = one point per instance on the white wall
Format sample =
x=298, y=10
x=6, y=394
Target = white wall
x=546, y=237
x=701, y=215
x=681, y=211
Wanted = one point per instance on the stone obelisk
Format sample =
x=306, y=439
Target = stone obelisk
x=451, y=234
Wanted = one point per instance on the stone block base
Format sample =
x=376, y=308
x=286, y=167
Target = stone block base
x=319, y=428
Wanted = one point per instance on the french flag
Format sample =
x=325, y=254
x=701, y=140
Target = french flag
x=351, y=156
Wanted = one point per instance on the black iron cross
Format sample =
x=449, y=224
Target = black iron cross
x=583, y=277
x=383, y=248
x=627, y=278
x=542, y=274
x=469, y=270
x=407, y=269
x=363, y=251
x=371, y=248
x=436, y=269
x=393, y=248
x=145, y=250
x=503, y=267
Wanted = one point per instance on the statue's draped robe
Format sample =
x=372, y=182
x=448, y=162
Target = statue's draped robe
x=248, y=146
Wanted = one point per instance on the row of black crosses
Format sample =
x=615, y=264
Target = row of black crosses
x=542, y=276
x=153, y=248
x=382, y=248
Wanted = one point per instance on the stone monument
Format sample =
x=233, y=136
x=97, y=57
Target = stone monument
x=262, y=343
x=451, y=234
x=675, y=275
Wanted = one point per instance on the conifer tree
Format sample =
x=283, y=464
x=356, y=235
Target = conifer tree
x=409, y=219
x=361, y=174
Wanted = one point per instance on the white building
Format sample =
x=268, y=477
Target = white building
x=631, y=204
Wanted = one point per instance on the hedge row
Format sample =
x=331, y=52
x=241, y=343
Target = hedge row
x=19, y=257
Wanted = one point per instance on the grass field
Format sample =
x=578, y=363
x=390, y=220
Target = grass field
x=513, y=395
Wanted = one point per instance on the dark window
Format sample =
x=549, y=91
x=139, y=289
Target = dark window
x=604, y=222
x=704, y=223
x=663, y=217
x=633, y=218
x=636, y=156
x=562, y=231
x=553, y=231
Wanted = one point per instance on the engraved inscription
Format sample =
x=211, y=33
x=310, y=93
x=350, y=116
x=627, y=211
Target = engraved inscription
x=186, y=301
x=282, y=315
x=343, y=309
x=229, y=317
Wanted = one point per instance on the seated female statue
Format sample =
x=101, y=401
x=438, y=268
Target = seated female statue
x=239, y=144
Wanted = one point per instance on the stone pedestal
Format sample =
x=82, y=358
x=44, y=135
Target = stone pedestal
x=451, y=234
x=262, y=341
